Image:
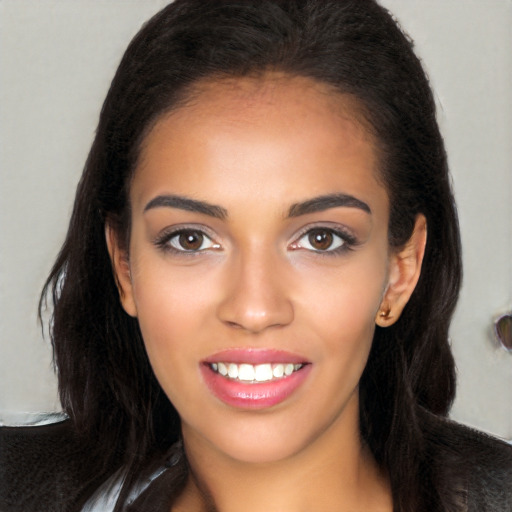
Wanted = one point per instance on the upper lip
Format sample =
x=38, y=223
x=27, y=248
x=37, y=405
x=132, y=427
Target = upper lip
x=254, y=356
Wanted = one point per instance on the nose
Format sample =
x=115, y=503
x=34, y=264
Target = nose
x=256, y=295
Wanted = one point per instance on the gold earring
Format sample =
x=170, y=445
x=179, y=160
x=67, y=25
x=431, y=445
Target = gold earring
x=385, y=314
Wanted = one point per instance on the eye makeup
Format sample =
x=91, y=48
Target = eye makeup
x=186, y=240
x=319, y=239
x=325, y=240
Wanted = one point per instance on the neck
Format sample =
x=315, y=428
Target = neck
x=336, y=471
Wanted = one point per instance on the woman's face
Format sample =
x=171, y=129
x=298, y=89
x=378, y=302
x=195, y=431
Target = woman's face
x=259, y=247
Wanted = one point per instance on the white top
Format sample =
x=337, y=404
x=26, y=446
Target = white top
x=105, y=497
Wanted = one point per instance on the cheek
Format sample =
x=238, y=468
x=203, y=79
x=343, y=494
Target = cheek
x=174, y=314
x=345, y=301
x=346, y=324
x=341, y=311
x=343, y=318
x=170, y=298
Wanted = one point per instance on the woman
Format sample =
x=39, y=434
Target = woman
x=253, y=299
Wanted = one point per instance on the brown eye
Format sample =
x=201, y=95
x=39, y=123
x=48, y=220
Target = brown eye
x=324, y=240
x=320, y=239
x=190, y=240
x=187, y=241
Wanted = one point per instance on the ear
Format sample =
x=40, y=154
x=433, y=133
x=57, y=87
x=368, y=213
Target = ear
x=404, y=272
x=121, y=270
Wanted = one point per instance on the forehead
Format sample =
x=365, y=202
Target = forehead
x=262, y=93
x=240, y=100
x=246, y=132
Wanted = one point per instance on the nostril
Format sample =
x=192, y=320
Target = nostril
x=233, y=324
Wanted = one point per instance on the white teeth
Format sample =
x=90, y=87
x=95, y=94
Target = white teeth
x=233, y=371
x=255, y=373
x=246, y=372
x=278, y=370
x=263, y=372
x=222, y=369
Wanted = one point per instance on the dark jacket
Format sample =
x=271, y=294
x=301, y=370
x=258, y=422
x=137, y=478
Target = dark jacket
x=41, y=469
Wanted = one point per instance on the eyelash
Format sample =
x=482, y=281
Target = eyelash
x=346, y=241
x=165, y=239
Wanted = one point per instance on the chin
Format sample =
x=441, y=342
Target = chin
x=262, y=452
x=249, y=441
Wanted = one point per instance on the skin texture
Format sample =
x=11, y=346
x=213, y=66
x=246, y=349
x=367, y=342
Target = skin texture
x=255, y=148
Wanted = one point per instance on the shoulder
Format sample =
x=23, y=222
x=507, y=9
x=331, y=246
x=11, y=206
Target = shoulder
x=43, y=468
x=150, y=486
x=489, y=466
x=480, y=463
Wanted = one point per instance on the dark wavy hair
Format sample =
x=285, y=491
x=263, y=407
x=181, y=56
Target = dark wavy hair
x=106, y=383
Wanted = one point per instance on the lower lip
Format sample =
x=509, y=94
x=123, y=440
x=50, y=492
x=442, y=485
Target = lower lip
x=259, y=395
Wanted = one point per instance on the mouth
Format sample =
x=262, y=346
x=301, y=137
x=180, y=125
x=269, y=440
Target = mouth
x=254, y=378
x=254, y=373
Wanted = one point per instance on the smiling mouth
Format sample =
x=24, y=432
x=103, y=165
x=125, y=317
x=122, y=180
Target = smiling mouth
x=255, y=373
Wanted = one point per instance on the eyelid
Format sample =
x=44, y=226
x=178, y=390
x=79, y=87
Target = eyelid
x=342, y=232
x=167, y=234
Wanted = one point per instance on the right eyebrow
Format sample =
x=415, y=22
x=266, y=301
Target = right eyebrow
x=187, y=204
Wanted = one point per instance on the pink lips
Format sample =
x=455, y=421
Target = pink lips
x=258, y=395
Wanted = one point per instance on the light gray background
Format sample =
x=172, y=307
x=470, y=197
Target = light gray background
x=57, y=58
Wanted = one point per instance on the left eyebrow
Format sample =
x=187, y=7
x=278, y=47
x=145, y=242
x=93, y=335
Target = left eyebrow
x=187, y=204
x=322, y=203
